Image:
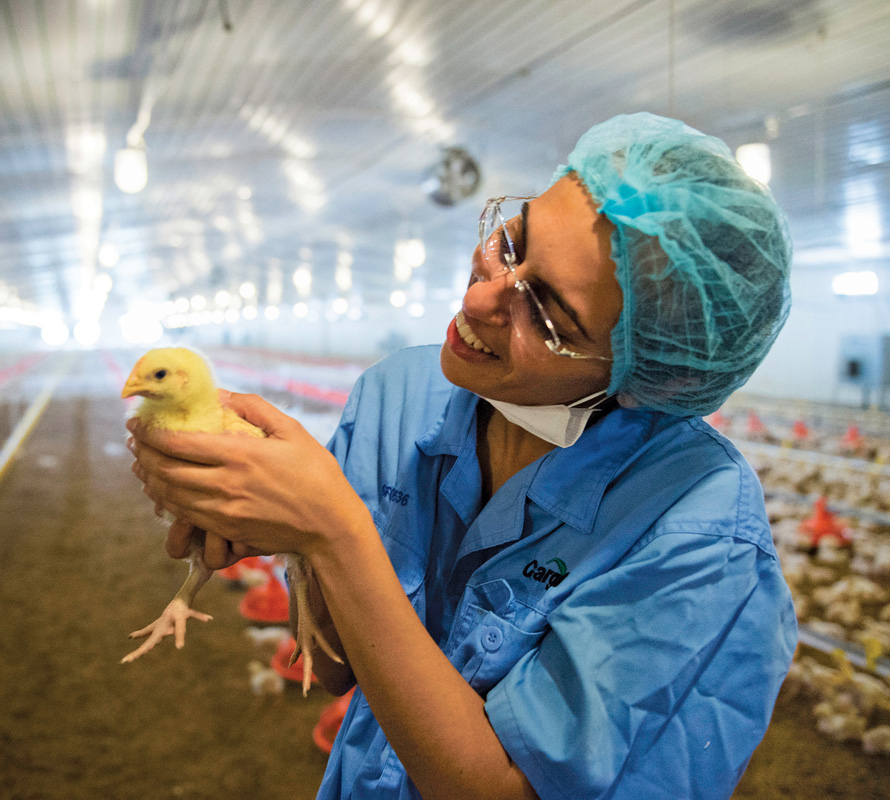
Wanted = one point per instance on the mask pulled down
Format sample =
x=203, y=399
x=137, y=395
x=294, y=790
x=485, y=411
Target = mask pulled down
x=561, y=425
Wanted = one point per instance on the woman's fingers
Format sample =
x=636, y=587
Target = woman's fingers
x=199, y=448
x=218, y=552
x=259, y=412
x=179, y=538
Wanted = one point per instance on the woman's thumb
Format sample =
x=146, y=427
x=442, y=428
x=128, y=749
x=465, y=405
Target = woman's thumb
x=258, y=412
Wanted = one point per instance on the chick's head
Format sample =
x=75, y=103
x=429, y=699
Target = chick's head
x=173, y=375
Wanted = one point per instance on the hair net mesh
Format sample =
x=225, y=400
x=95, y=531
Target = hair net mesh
x=702, y=254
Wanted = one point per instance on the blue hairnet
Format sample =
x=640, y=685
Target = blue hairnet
x=702, y=254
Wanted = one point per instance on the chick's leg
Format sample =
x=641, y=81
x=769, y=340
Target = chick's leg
x=178, y=611
x=308, y=633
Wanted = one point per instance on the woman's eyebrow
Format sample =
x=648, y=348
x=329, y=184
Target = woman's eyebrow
x=547, y=288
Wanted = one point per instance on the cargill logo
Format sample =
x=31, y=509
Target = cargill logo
x=542, y=573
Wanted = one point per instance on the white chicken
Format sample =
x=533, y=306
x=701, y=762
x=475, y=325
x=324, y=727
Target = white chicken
x=179, y=393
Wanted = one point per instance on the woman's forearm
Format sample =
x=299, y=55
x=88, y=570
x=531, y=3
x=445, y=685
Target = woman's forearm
x=431, y=716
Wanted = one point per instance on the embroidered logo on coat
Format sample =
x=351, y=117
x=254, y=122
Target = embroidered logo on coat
x=543, y=574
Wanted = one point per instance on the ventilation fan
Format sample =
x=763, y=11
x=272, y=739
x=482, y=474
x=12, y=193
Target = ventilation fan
x=454, y=178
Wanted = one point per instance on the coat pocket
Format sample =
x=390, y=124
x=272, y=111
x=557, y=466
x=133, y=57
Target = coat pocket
x=493, y=633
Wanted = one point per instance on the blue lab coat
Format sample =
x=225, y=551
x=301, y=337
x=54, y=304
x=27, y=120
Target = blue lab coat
x=618, y=603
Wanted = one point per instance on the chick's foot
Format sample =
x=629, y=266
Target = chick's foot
x=308, y=632
x=172, y=621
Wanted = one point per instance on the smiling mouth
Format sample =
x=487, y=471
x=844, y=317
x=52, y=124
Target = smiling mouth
x=469, y=338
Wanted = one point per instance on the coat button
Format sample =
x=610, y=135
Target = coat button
x=491, y=638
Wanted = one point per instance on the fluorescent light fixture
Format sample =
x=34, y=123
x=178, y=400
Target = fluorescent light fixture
x=87, y=332
x=398, y=298
x=343, y=277
x=54, y=333
x=755, y=160
x=303, y=280
x=855, y=283
x=411, y=251
x=131, y=169
x=140, y=328
x=108, y=255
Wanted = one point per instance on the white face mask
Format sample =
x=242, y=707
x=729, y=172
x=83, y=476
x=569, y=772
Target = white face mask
x=561, y=425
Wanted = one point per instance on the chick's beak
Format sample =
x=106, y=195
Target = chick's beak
x=132, y=387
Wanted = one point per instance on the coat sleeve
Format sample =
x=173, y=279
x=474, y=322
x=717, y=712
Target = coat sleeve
x=657, y=678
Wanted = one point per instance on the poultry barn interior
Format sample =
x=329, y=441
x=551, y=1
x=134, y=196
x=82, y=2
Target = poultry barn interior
x=294, y=188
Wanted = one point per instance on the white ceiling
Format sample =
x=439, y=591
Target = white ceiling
x=329, y=114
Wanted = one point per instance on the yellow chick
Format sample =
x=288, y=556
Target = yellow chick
x=179, y=393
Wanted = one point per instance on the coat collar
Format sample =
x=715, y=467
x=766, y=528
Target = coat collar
x=566, y=482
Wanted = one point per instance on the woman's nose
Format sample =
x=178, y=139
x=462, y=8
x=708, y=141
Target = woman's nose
x=488, y=300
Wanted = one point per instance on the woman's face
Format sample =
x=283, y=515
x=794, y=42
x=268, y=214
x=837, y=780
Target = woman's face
x=563, y=248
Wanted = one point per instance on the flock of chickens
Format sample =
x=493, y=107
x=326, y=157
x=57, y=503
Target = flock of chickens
x=828, y=499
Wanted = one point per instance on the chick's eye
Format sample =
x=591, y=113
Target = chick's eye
x=161, y=374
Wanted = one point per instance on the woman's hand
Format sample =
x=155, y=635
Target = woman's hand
x=219, y=553
x=283, y=493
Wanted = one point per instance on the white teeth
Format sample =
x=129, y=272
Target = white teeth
x=467, y=335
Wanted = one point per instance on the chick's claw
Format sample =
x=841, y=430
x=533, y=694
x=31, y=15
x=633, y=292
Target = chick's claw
x=172, y=621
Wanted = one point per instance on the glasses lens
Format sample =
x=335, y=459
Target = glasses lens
x=489, y=223
x=529, y=324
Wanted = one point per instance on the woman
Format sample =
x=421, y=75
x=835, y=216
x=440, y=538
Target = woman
x=567, y=589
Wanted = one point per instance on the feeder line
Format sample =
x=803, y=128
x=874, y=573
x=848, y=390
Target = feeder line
x=835, y=508
x=828, y=644
x=811, y=457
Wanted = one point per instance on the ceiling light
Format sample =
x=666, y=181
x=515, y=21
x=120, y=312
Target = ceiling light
x=222, y=298
x=108, y=255
x=131, y=169
x=247, y=290
x=55, y=333
x=398, y=298
x=249, y=312
x=271, y=313
x=412, y=251
x=87, y=332
x=303, y=279
x=343, y=278
x=416, y=310
x=755, y=160
x=87, y=204
x=301, y=309
x=139, y=328
x=103, y=283
x=244, y=192
x=198, y=302
x=340, y=305
x=855, y=283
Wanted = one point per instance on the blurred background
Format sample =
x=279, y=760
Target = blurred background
x=307, y=175
x=294, y=187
